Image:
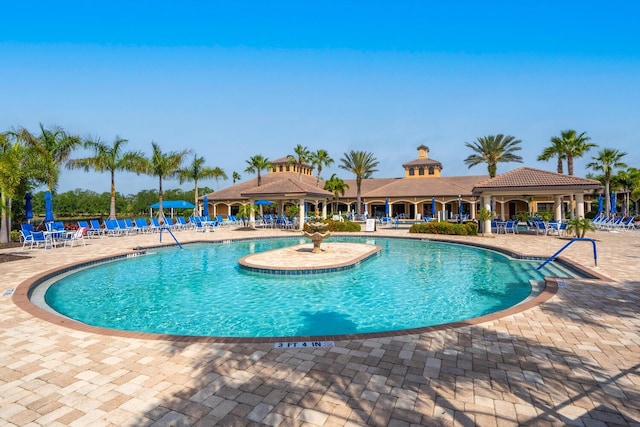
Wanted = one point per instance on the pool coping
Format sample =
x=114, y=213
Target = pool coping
x=22, y=299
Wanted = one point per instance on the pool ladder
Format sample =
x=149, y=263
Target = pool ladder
x=164, y=227
x=575, y=239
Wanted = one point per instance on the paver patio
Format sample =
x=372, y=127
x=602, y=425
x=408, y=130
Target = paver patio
x=573, y=360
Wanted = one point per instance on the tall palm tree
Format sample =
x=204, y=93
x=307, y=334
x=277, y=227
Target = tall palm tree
x=362, y=164
x=109, y=159
x=578, y=145
x=301, y=157
x=606, y=161
x=558, y=150
x=257, y=164
x=197, y=171
x=319, y=159
x=12, y=172
x=575, y=146
x=337, y=186
x=236, y=177
x=51, y=149
x=163, y=165
x=493, y=149
x=218, y=173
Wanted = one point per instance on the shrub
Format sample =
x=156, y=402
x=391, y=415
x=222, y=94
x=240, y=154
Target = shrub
x=347, y=226
x=466, y=229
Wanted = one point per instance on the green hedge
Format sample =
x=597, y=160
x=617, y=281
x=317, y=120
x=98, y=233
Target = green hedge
x=348, y=226
x=434, y=227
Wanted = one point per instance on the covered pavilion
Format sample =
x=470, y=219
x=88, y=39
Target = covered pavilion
x=423, y=193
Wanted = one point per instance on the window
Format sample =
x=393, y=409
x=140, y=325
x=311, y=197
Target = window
x=431, y=170
x=280, y=168
x=411, y=172
x=421, y=171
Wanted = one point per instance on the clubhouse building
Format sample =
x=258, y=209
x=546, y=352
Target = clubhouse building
x=422, y=193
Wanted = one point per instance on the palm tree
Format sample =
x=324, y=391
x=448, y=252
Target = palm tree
x=195, y=172
x=606, y=161
x=257, y=164
x=557, y=150
x=109, y=159
x=337, y=186
x=319, y=159
x=362, y=164
x=236, y=177
x=218, y=173
x=163, y=165
x=576, y=146
x=51, y=148
x=629, y=181
x=493, y=149
x=302, y=156
x=12, y=172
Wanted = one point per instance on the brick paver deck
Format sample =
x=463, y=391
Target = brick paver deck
x=573, y=360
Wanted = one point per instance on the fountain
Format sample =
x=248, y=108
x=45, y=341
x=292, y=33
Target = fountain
x=319, y=232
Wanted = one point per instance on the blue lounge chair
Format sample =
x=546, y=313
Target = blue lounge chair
x=112, y=227
x=96, y=229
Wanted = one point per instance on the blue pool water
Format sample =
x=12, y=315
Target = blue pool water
x=200, y=291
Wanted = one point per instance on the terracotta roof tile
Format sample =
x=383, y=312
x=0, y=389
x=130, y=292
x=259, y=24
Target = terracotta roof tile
x=526, y=177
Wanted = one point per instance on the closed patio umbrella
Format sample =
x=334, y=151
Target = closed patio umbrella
x=386, y=206
x=48, y=207
x=600, y=209
x=613, y=202
x=433, y=207
x=28, y=208
x=205, y=206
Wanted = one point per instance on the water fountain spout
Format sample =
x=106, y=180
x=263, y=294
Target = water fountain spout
x=318, y=232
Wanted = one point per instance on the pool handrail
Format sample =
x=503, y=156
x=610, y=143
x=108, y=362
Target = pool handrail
x=575, y=239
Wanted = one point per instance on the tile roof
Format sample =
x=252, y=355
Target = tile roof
x=287, y=187
x=240, y=190
x=526, y=177
x=421, y=187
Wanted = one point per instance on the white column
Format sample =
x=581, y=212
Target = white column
x=557, y=208
x=486, y=228
x=472, y=211
x=579, y=205
x=324, y=210
x=302, y=215
x=252, y=216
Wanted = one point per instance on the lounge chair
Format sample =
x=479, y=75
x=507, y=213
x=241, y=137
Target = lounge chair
x=112, y=227
x=96, y=229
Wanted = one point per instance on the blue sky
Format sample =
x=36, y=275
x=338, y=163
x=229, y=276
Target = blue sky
x=230, y=80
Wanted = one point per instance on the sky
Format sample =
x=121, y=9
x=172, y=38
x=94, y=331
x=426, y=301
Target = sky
x=230, y=80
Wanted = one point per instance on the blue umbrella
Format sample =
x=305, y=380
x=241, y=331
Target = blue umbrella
x=600, y=210
x=205, y=206
x=613, y=202
x=48, y=207
x=263, y=202
x=433, y=207
x=460, y=207
x=28, y=209
x=386, y=206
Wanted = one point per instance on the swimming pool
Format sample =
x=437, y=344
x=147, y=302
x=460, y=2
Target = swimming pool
x=200, y=291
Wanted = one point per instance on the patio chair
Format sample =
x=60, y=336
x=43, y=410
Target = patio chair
x=77, y=236
x=41, y=238
x=26, y=231
x=96, y=229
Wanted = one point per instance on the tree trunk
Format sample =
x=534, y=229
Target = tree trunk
x=112, y=208
x=5, y=221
